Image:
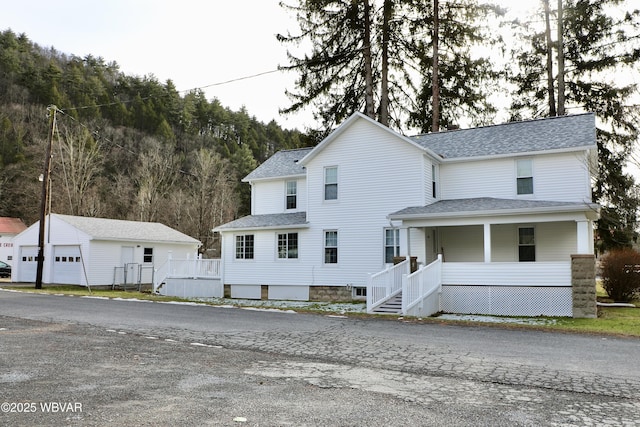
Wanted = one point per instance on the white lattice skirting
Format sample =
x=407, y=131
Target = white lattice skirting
x=507, y=300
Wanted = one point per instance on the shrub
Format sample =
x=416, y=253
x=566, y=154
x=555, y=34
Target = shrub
x=621, y=274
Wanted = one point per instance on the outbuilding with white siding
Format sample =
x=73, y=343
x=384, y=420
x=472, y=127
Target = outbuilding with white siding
x=98, y=251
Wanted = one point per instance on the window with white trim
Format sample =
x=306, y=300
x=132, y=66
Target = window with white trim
x=331, y=247
x=292, y=194
x=524, y=176
x=526, y=244
x=433, y=181
x=287, y=245
x=147, y=257
x=391, y=244
x=244, y=246
x=331, y=183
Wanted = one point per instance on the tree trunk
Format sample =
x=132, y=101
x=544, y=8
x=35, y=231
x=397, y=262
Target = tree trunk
x=552, y=98
x=561, y=111
x=368, y=61
x=435, y=88
x=384, y=84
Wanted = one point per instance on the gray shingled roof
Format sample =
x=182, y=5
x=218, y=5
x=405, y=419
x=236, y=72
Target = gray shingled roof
x=268, y=220
x=283, y=163
x=115, y=229
x=555, y=133
x=487, y=204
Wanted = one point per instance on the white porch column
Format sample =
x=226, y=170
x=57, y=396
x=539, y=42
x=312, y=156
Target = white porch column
x=584, y=243
x=487, y=242
x=405, y=243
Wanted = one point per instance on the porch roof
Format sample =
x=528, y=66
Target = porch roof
x=489, y=206
x=266, y=221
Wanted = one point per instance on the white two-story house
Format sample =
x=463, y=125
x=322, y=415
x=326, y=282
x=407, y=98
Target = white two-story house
x=499, y=210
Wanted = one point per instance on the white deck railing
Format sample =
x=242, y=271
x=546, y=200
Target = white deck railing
x=194, y=268
x=383, y=285
x=421, y=290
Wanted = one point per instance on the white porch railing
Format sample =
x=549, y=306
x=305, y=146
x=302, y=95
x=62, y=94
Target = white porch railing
x=507, y=273
x=195, y=268
x=421, y=290
x=385, y=284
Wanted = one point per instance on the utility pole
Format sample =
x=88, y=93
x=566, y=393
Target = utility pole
x=52, y=109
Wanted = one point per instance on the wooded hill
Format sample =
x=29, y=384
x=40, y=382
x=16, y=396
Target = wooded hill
x=125, y=147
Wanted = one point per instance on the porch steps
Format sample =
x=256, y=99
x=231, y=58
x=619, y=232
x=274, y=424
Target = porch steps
x=391, y=306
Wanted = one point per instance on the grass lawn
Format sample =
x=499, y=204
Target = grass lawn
x=622, y=321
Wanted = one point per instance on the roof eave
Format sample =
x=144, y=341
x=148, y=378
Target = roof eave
x=500, y=212
x=522, y=154
x=275, y=178
x=258, y=228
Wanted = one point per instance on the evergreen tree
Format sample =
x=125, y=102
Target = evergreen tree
x=599, y=43
x=377, y=58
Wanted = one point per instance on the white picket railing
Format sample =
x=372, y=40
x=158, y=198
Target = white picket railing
x=383, y=285
x=192, y=268
x=421, y=290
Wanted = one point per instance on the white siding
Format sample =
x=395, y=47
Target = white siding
x=497, y=178
x=99, y=258
x=269, y=197
x=378, y=173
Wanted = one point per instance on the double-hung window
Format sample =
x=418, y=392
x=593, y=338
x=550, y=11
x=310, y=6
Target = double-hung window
x=148, y=255
x=331, y=183
x=331, y=247
x=292, y=194
x=524, y=176
x=287, y=245
x=244, y=246
x=526, y=244
x=391, y=244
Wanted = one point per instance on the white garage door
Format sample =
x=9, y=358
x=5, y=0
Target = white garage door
x=67, y=265
x=28, y=264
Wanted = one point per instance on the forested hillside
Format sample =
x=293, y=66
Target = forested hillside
x=126, y=147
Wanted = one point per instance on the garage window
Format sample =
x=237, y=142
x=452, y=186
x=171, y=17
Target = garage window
x=148, y=256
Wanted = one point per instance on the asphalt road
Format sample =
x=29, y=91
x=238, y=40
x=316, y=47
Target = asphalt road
x=86, y=361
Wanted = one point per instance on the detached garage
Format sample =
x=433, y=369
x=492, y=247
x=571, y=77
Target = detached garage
x=98, y=251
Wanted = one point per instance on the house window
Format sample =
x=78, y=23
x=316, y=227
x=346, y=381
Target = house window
x=433, y=181
x=288, y=245
x=148, y=256
x=359, y=292
x=244, y=246
x=524, y=171
x=331, y=183
x=331, y=247
x=526, y=244
x=391, y=244
x=292, y=194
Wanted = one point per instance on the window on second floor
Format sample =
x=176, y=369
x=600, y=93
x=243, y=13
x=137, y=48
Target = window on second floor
x=292, y=194
x=244, y=246
x=433, y=181
x=524, y=176
x=331, y=183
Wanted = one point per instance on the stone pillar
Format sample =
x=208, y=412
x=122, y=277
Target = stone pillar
x=583, y=285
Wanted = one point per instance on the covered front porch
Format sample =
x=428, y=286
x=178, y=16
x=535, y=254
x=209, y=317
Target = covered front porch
x=487, y=256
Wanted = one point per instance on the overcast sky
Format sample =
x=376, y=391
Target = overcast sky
x=195, y=43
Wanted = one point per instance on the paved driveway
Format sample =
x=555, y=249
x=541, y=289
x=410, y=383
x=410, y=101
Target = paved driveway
x=138, y=363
